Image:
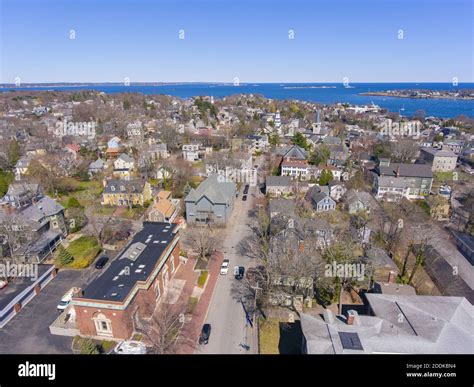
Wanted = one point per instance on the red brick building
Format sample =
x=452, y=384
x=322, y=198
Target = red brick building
x=134, y=283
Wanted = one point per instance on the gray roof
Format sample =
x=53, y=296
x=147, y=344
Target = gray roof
x=406, y=170
x=126, y=158
x=430, y=325
x=293, y=151
x=23, y=189
x=278, y=181
x=215, y=189
x=44, y=207
x=115, y=186
x=353, y=196
x=284, y=206
x=379, y=257
x=98, y=164
x=439, y=152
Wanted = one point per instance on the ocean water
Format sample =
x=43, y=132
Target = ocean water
x=324, y=93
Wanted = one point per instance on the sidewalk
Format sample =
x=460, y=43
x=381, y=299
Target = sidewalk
x=187, y=345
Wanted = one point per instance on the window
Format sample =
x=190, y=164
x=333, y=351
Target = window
x=103, y=325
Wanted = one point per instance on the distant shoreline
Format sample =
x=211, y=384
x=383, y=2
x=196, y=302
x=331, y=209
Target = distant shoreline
x=408, y=94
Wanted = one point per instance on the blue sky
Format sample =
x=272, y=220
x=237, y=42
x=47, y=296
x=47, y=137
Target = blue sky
x=245, y=39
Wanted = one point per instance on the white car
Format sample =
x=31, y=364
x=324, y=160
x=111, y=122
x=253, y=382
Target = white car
x=3, y=284
x=130, y=348
x=225, y=267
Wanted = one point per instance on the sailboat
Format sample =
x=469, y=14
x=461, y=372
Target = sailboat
x=403, y=108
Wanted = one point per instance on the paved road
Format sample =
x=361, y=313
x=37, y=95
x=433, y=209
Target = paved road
x=226, y=314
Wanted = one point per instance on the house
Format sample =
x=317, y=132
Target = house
x=132, y=285
x=381, y=266
x=39, y=228
x=336, y=190
x=124, y=162
x=454, y=146
x=212, y=200
x=158, y=151
x=257, y=143
x=96, y=167
x=164, y=208
x=320, y=199
x=440, y=160
x=73, y=150
x=430, y=325
x=357, y=201
x=126, y=192
x=393, y=180
x=20, y=195
x=296, y=169
x=192, y=152
x=278, y=185
x=292, y=152
x=114, y=147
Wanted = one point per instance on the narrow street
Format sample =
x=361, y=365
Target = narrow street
x=226, y=314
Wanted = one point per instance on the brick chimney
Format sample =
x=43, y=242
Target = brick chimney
x=391, y=277
x=352, y=317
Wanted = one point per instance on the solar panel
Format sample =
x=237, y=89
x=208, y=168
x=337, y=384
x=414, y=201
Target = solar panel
x=350, y=340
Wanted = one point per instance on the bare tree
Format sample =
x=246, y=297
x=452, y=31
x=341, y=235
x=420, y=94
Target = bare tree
x=164, y=328
x=204, y=240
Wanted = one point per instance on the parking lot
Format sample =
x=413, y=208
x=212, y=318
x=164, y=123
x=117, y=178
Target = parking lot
x=28, y=331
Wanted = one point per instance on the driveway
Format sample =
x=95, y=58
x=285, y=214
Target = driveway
x=28, y=331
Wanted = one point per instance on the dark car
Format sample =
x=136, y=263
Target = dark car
x=246, y=189
x=239, y=272
x=205, y=333
x=244, y=198
x=101, y=262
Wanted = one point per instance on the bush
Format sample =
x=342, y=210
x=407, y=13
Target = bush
x=64, y=257
x=202, y=278
x=73, y=203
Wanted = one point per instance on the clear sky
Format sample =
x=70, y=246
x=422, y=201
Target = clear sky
x=247, y=39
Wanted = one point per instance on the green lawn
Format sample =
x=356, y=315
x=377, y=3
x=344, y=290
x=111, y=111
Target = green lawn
x=84, y=250
x=269, y=336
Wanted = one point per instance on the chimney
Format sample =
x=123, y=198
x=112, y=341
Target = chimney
x=391, y=277
x=352, y=317
x=328, y=316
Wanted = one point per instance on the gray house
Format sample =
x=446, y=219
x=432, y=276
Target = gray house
x=320, y=199
x=357, y=201
x=212, y=200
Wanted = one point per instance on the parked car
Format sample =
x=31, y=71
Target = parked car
x=3, y=284
x=66, y=299
x=205, y=334
x=244, y=198
x=246, y=189
x=130, y=348
x=225, y=267
x=239, y=272
x=101, y=262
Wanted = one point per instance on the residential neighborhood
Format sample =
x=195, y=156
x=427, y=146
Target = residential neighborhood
x=283, y=239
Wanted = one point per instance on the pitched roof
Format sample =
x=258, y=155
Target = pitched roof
x=115, y=186
x=215, y=188
x=406, y=170
x=277, y=181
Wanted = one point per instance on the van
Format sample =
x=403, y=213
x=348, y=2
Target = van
x=239, y=272
x=66, y=299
